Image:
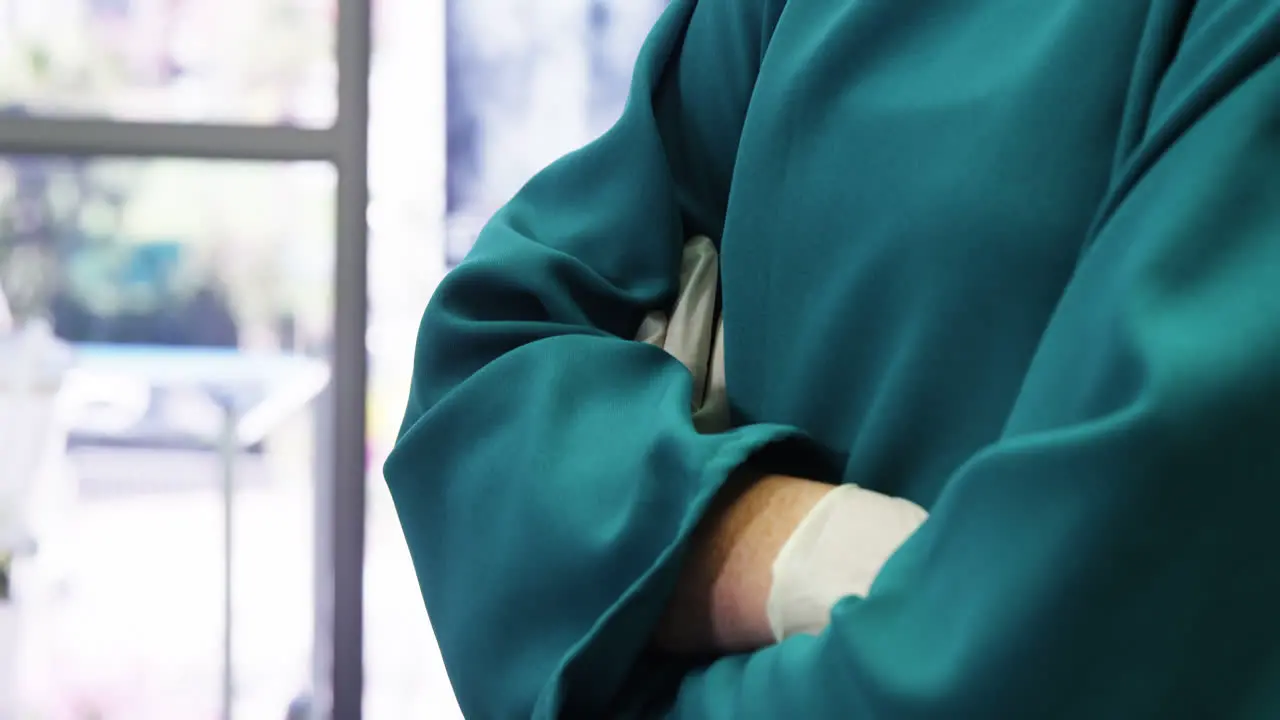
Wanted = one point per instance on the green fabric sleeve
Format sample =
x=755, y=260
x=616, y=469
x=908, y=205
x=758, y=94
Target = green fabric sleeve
x=548, y=471
x=1112, y=555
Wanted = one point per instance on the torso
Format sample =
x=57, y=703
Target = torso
x=909, y=201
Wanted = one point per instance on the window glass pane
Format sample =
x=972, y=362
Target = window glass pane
x=527, y=83
x=404, y=676
x=239, y=61
x=185, y=288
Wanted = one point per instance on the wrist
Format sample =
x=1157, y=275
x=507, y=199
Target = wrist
x=837, y=551
x=753, y=531
x=722, y=596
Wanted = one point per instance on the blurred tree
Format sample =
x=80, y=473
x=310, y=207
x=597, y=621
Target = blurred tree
x=51, y=209
x=67, y=226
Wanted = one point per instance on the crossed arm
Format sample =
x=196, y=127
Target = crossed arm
x=1105, y=558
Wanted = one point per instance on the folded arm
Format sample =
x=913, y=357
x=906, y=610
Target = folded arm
x=1110, y=555
x=548, y=473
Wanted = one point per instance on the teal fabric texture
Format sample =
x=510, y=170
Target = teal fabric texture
x=1018, y=262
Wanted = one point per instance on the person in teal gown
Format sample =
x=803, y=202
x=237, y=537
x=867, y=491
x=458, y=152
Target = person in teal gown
x=1017, y=262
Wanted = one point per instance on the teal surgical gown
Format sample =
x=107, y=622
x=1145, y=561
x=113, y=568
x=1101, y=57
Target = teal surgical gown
x=1017, y=261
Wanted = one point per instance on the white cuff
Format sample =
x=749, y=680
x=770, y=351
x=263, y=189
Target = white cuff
x=836, y=551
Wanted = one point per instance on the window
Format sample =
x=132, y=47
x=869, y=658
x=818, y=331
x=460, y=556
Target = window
x=179, y=282
x=238, y=61
x=527, y=83
x=170, y=252
x=252, y=261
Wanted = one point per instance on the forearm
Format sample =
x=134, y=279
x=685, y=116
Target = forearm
x=719, y=605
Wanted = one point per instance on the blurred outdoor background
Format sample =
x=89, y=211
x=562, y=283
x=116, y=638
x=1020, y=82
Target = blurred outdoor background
x=181, y=287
